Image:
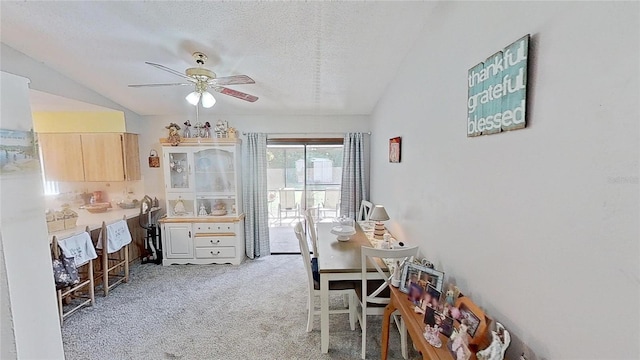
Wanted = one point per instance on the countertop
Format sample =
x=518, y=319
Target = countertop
x=94, y=221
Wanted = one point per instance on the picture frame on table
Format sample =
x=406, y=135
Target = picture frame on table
x=445, y=323
x=395, y=149
x=421, y=275
x=474, y=317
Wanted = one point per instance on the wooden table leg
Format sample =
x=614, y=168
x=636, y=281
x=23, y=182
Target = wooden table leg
x=386, y=321
x=324, y=313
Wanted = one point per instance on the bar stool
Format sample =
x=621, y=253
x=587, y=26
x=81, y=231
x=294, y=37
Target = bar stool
x=114, y=239
x=80, y=247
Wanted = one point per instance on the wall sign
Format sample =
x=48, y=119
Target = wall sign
x=498, y=91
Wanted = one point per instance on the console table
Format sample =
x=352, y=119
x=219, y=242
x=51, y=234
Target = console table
x=415, y=327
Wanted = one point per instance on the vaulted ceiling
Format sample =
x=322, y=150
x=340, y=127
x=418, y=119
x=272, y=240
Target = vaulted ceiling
x=306, y=57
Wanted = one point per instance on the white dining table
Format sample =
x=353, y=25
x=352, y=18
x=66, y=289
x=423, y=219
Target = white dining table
x=337, y=261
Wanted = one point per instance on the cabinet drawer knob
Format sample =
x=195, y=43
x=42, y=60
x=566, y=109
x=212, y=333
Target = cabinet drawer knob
x=215, y=253
x=217, y=242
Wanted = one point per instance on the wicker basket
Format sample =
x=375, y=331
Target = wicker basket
x=70, y=223
x=56, y=225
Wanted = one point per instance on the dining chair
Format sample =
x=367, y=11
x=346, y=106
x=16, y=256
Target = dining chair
x=366, y=207
x=313, y=285
x=374, y=302
x=80, y=247
x=311, y=225
x=114, y=240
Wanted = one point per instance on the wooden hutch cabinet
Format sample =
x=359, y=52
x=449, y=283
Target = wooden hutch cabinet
x=203, y=191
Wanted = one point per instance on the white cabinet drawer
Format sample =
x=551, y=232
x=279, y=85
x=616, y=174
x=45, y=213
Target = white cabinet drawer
x=215, y=228
x=215, y=252
x=208, y=241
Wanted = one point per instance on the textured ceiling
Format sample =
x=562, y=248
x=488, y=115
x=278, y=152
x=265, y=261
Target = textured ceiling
x=306, y=57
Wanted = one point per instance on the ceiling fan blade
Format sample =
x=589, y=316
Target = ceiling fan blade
x=236, y=94
x=155, y=85
x=233, y=80
x=174, y=72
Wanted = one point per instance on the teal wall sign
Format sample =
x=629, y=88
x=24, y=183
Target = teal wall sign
x=498, y=91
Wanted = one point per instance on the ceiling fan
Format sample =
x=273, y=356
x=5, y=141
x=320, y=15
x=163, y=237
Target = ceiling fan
x=203, y=80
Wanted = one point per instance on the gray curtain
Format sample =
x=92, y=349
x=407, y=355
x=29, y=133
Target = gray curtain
x=256, y=222
x=354, y=175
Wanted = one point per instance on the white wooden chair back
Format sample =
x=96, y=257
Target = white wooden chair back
x=366, y=207
x=304, y=250
x=371, y=255
x=308, y=215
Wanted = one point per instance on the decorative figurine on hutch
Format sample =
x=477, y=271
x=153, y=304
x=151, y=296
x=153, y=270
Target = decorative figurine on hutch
x=459, y=345
x=174, y=136
x=499, y=344
x=232, y=133
x=202, y=211
x=186, y=133
x=179, y=208
x=198, y=129
x=207, y=130
x=221, y=129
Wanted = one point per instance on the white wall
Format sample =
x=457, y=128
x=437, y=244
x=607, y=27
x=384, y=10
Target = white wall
x=539, y=226
x=43, y=78
x=32, y=314
x=303, y=126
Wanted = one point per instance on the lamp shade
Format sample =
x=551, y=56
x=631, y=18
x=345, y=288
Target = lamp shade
x=379, y=214
x=208, y=100
x=193, y=98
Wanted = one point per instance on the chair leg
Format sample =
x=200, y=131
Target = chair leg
x=403, y=339
x=352, y=310
x=105, y=271
x=345, y=300
x=60, y=308
x=92, y=293
x=310, y=311
x=126, y=263
x=363, y=325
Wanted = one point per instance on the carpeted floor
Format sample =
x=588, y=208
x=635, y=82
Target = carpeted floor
x=252, y=311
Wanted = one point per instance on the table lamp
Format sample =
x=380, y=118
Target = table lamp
x=379, y=214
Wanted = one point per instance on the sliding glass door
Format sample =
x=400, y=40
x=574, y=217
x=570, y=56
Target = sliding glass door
x=301, y=174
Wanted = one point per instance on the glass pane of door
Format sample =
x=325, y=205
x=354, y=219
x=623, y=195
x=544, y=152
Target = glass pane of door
x=178, y=175
x=301, y=177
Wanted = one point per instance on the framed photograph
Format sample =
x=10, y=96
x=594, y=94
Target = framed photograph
x=431, y=298
x=474, y=318
x=433, y=317
x=394, y=149
x=413, y=273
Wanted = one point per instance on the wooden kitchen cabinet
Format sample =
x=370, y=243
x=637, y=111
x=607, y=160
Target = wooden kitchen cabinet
x=62, y=156
x=110, y=157
x=90, y=156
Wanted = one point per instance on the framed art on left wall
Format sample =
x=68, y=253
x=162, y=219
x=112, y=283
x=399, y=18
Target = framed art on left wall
x=394, y=149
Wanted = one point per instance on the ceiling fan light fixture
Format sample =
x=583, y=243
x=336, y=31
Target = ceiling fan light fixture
x=208, y=100
x=193, y=98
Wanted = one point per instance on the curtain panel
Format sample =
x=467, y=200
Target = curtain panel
x=255, y=205
x=354, y=175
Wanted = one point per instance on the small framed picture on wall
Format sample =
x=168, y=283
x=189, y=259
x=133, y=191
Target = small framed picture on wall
x=394, y=149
